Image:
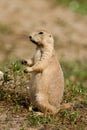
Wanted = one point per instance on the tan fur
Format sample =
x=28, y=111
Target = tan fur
x=47, y=81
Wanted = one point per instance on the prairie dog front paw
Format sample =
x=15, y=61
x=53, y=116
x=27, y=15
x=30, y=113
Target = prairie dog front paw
x=28, y=69
x=24, y=62
x=28, y=62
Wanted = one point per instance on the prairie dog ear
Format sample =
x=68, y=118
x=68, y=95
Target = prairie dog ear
x=48, y=39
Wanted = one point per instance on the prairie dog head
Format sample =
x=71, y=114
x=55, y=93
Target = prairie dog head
x=42, y=38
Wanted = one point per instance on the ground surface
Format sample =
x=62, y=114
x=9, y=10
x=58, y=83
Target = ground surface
x=17, y=19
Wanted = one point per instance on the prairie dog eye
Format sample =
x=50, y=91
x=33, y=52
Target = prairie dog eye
x=40, y=33
x=49, y=35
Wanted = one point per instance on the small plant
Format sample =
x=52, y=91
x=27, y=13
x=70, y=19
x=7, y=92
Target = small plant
x=64, y=115
x=5, y=77
x=16, y=66
x=74, y=116
x=35, y=120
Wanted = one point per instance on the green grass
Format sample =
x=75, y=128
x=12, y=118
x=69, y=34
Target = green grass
x=75, y=5
x=75, y=79
x=14, y=91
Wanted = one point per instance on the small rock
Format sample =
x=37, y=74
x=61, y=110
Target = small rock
x=1, y=75
x=28, y=87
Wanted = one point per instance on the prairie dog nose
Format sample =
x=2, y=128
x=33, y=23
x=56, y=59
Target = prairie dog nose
x=30, y=37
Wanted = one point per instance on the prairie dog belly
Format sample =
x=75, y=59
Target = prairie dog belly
x=37, y=55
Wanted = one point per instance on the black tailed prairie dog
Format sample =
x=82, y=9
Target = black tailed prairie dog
x=47, y=81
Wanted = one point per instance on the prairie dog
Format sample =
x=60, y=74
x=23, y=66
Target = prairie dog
x=47, y=81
